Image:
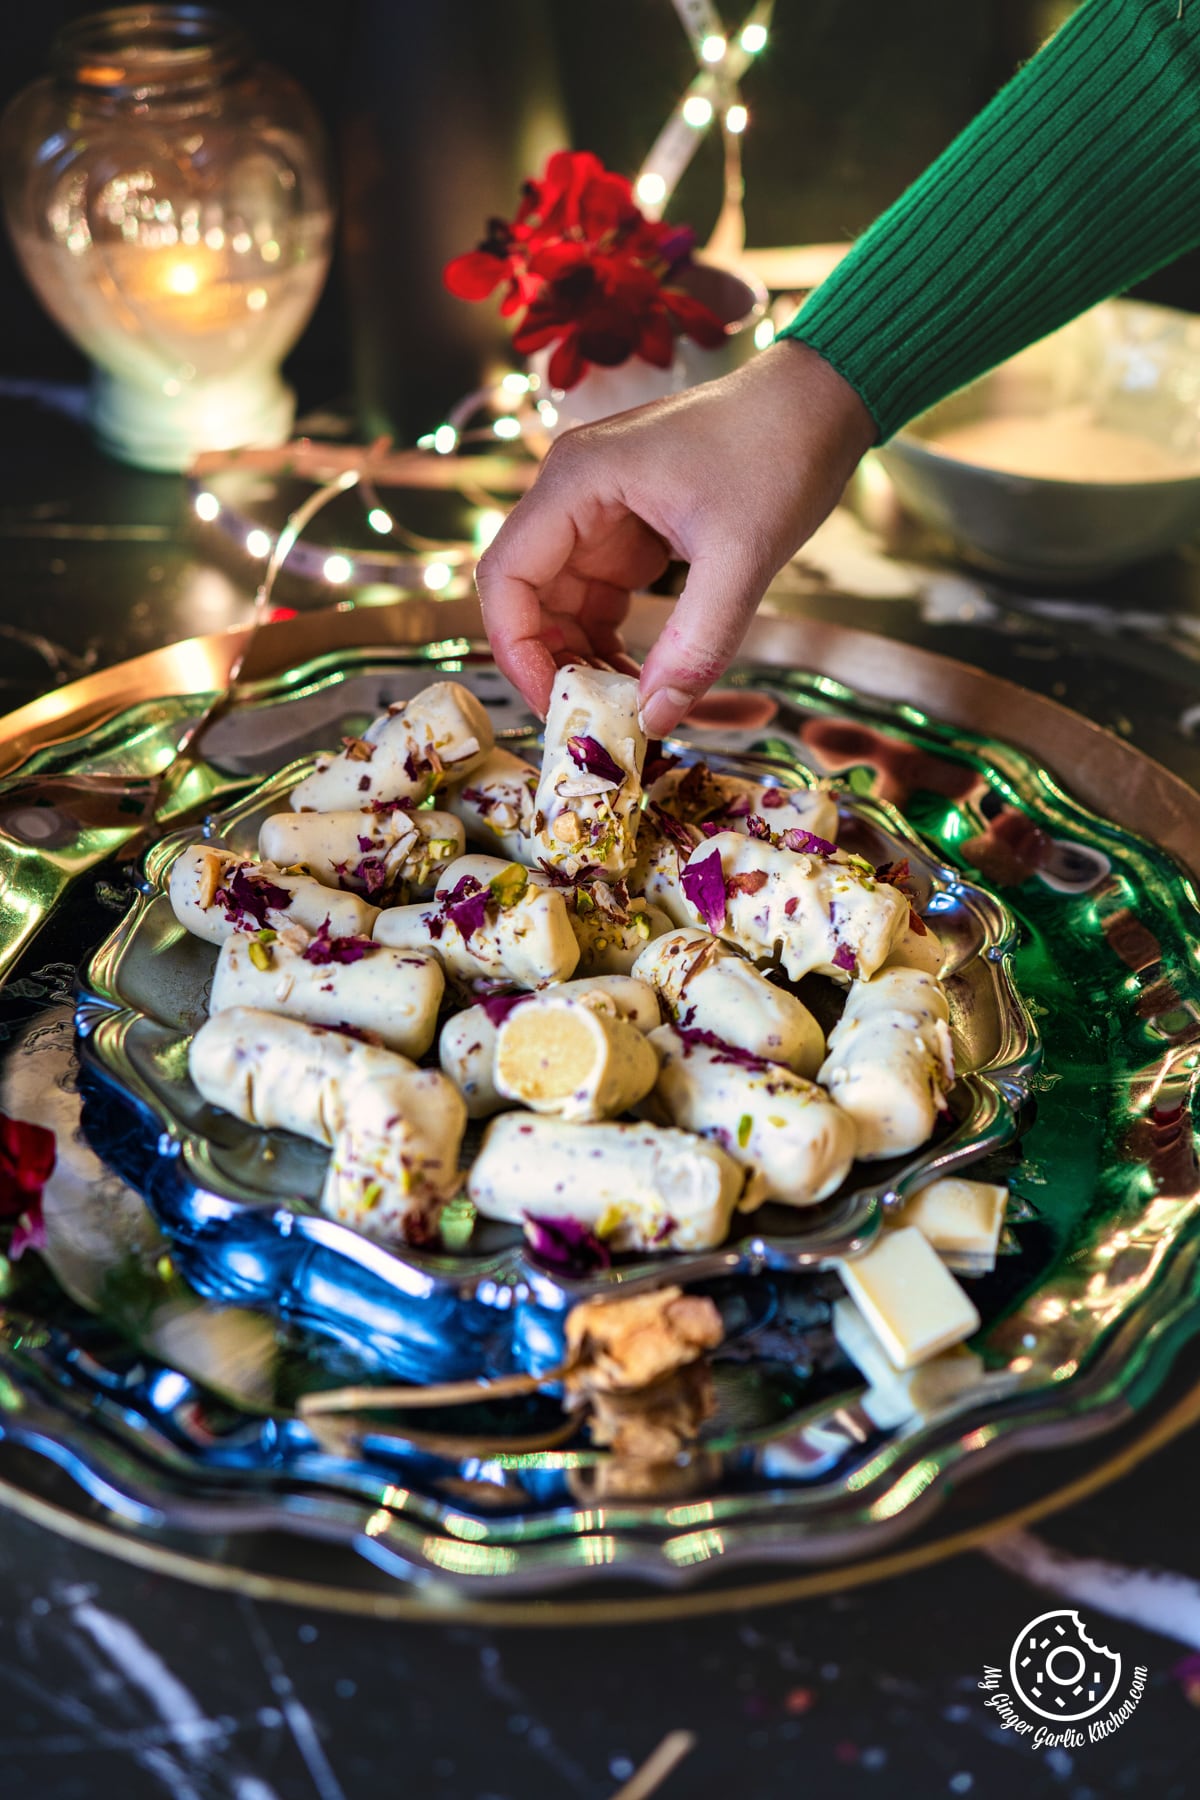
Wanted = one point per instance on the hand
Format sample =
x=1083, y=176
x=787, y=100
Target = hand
x=730, y=477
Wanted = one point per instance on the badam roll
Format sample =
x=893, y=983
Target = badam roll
x=328, y=981
x=636, y=1187
x=708, y=986
x=382, y=853
x=587, y=800
x=698, y=795
x=496, y=805
x=508, y=929
x=818, y=913
x=417, y=746
x=467, y=1045
x=576, y=1061
x=215, y=892
x=795, y=1144
x=405, y=1123
x=891, y=1060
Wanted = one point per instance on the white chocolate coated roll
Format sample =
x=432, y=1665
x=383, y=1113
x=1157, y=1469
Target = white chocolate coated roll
x=376, y=853
x=417, y=746
x=710, y=987
x=208, y=886
x=795, y=1144
x=395, y=993
x=610, y=943
x=698, y=794
x=576, y=1061
x=528, y=944
x=496, y=804
x=584, y=816
x=467, y=1046
x=891, y=1060
x=484, y=869
x=918, y=949
x=392, y=1182
x=282, y=1075
x=637, y=1187
x=824, y=915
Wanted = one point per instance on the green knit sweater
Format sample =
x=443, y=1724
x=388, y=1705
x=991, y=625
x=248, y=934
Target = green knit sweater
x=1081, y=177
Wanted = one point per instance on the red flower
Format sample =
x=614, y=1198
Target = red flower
x=27, y=1156
x=590, y=270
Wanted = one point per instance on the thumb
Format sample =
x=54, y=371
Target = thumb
x=701, y=638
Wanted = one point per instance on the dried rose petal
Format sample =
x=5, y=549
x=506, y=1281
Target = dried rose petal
x=726, y=1053
x=749, y=883
x=844, y=958
x=328, y=949
x=658, y=762
x=806, y=843
x=498, y=1006
x=588, y=754
x=671, y=827
x=245, y=894
x=466, y=906
x=703, y=882
x=758, y=827
x=771, y=797
x=739, y=806
x=564, y=1244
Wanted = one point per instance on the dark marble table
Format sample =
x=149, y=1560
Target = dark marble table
x=123, y=1682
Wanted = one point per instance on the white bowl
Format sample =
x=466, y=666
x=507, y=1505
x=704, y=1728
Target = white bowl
x=1133, y=368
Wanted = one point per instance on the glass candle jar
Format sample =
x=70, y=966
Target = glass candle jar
x=169, y=199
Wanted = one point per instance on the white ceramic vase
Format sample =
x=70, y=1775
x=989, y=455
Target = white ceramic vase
x=601, y=392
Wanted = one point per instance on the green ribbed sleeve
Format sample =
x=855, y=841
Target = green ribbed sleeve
x=1081, y=177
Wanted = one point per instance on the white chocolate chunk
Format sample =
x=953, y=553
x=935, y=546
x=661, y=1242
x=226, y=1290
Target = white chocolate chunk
x=891, y=1060
x=199, y=893
x=961, y=1219
x=467, y=1046
x=895, y=1395
x=527, y=942
x=496, y=804
x=279, y=1074
x=795, y=1145
x=581, y=818
x=394, y=993
x=376, y=853
x=708, y=986
x=637, y=1187
x=909, y=1298
x=699, y=795
x=821, y=914
x=564, y=1057
x=405, y=754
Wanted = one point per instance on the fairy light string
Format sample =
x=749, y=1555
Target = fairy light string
x=509, y=414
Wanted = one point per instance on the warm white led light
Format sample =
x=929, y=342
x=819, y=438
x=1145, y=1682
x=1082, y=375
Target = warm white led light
x=713, y=47
x=379, y=520
x=207, y=507
x=444, y=439
x=764, y=334
x=697, y=111
x=507, y=427
x=338, y=569
x=737, y=118
x=753, y=39
x=258, y=543
x=437, y=576
x=548, y=414
x=651, y=188
x=515, y=383
x=487, y=525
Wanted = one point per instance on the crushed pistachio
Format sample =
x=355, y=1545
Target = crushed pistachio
x=260, y=955
x=508, y=887
x=608, y=1222
x=372, y=1194
x=745, y=1127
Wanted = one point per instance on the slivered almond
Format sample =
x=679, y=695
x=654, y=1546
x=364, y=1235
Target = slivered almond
x=212, y=867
